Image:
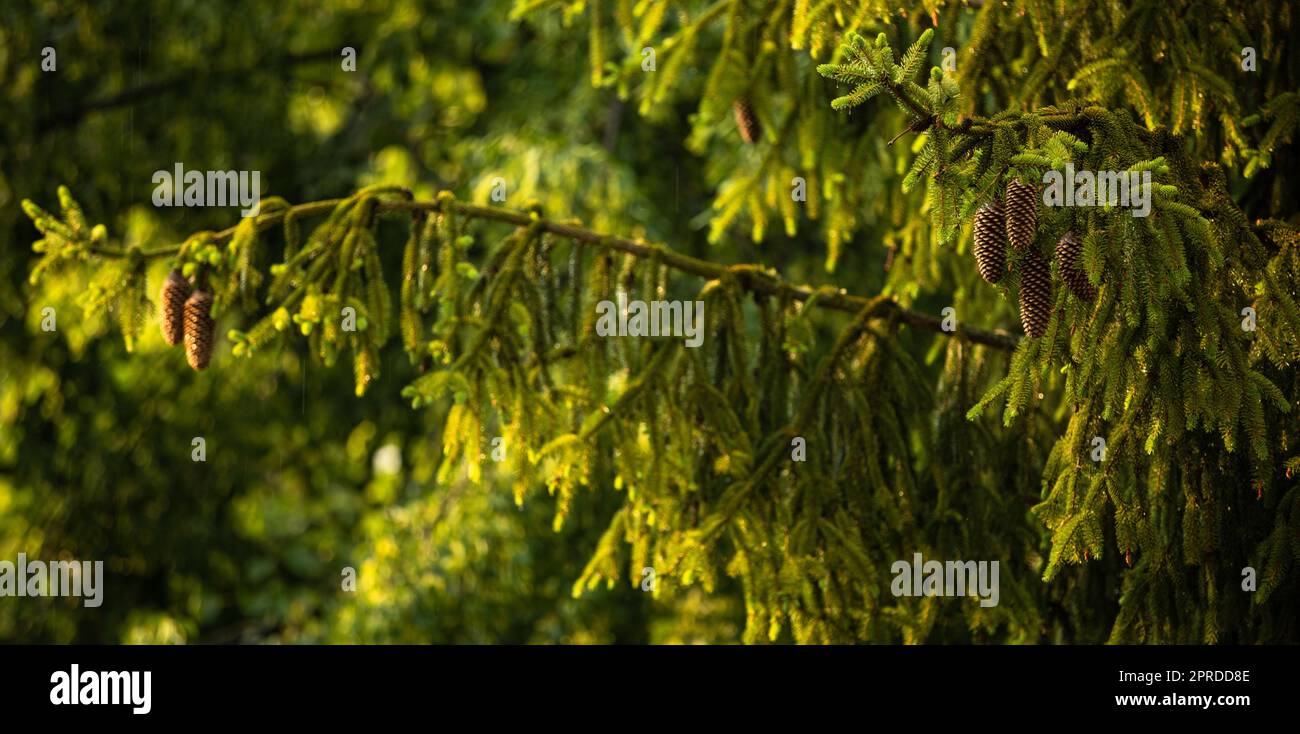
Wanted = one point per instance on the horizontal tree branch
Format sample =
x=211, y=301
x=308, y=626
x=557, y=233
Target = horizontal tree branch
x=755, y=278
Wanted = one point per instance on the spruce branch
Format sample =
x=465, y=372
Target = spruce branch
x=871, y=69
x=753, y=278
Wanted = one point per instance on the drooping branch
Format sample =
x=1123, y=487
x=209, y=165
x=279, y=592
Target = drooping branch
x=754, y=278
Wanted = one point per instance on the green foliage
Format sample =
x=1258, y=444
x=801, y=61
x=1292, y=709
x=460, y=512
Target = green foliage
x=653, y=454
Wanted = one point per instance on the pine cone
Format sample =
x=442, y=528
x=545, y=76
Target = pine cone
x=991, y=241
x=1067, y=263
x=171, y=307
x=1022, y=214
x=1035, y=294
x=751, y=130
x=199, y=329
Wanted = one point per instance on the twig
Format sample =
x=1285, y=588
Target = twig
x=915, y=127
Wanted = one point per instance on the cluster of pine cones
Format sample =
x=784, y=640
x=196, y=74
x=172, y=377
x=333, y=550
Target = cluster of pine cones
x=1016, y=221
x=186, y=315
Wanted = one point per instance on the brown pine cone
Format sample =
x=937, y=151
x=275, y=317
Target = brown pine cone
x=1035, y=294
x=991, y=241
x=1022, y=214
x=751, y=130
x=200, y=329
x=1068, y=251
x=171, y=307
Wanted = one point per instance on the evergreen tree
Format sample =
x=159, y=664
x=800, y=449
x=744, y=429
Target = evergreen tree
x=1144, y=455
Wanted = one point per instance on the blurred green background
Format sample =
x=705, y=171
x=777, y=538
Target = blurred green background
x=249, y=546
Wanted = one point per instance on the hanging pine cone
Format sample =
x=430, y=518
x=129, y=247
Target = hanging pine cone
x=1035, y=294
x=750, y=128
x=991, y=241
x=171, y=307
x=199, y=329
x=1068, y=251
x=1022, y=214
